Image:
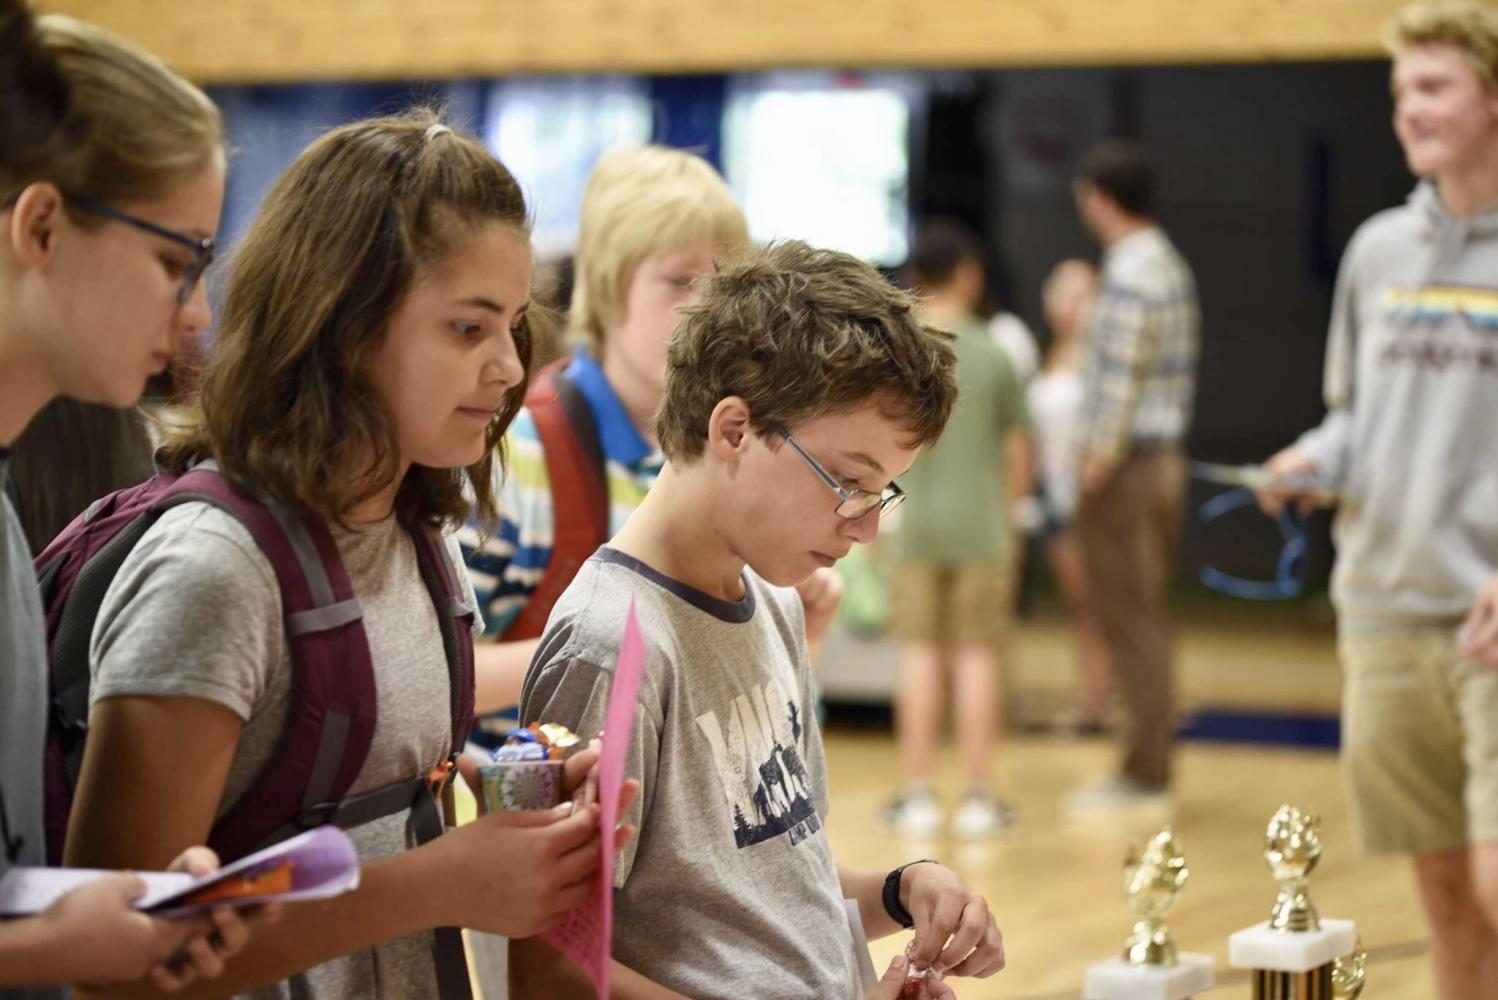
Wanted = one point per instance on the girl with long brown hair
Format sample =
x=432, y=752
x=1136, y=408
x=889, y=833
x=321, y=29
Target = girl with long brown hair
x=371, y=351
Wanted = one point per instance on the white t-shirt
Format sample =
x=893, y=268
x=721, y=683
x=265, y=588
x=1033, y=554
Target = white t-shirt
x=1055, y=398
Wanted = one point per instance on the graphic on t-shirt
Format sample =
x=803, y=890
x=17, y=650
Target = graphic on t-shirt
x=1438, y=303
x=759, y=763
x=1442, y=328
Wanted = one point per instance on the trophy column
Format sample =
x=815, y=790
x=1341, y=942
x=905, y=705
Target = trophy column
x=1150, y=968
x=1295, y=954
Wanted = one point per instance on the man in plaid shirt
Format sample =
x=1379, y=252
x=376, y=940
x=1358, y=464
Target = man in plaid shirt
x=1139, y=376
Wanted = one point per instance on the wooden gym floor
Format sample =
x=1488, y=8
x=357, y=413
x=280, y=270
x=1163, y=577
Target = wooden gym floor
x=1055, y=884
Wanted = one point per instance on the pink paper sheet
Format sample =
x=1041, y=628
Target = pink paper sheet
x=588, y=933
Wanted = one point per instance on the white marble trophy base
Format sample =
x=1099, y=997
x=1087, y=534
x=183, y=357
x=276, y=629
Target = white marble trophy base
x=1261, y=947
x=1116, y=979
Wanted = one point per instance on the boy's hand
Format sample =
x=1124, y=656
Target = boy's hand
x=1480, y=631
x=892, y=986
x=953, y=928
x=821, y=593
x=1288, y=464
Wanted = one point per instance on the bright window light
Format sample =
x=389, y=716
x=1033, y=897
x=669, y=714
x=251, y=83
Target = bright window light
x=824, y=163
x=551, y=131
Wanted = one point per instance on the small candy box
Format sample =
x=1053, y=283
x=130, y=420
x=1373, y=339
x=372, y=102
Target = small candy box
x=914, y=987
x=918, y=977
x=526, y=772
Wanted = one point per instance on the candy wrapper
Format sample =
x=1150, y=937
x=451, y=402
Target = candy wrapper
x=918, y=976
x=916, y=981
x=526, y=772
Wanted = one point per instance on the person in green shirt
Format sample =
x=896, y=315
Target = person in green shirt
x=955, y=550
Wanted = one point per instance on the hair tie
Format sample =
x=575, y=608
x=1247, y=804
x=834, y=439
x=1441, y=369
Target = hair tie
x=433, y=131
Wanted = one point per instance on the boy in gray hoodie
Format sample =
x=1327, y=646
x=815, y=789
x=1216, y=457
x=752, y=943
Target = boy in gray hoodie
x=1411, y=437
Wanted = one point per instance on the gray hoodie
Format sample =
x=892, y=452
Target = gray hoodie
x=1411, y=430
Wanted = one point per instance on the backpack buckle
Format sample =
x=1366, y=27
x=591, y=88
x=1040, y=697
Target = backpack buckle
x=443, y=774
x=315, y=815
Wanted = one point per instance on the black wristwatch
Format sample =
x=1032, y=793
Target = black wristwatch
x=892, y=904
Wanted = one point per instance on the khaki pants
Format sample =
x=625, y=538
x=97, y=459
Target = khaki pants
x=1419, y=740
x=1129, y=533
x=952, y=605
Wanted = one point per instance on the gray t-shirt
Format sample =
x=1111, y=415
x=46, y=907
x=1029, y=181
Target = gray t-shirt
x=730, y=890
x=23, y=703
x=195, y=612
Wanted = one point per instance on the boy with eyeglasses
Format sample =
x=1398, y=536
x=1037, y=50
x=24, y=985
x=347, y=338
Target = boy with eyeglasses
x=798, y=389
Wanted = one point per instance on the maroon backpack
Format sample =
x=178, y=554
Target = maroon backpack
x=331, y=719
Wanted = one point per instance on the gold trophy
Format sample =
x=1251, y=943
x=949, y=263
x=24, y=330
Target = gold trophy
x=1292, y=846
x=1294, y=955
x=1151, y=884
x=1150, y=968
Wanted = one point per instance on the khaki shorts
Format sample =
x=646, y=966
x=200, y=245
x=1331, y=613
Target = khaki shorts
x=1419, y=741
x=954, y=605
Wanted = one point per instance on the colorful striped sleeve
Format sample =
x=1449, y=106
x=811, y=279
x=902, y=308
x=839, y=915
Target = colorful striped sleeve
x=506, y=567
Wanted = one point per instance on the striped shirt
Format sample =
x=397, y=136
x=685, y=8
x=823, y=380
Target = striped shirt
x=1139, y=357
x=507, y=567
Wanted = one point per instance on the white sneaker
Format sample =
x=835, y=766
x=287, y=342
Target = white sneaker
x=981, y=815
x=915, y=814
x=1119, y=792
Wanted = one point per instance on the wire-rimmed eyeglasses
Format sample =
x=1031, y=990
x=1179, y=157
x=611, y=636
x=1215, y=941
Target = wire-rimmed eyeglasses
x=853, y=503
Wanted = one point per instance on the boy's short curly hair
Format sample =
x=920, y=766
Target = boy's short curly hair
x=799, y=333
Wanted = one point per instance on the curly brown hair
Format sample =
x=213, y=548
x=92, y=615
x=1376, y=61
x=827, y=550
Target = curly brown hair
x=285, y=405
x=798, y=333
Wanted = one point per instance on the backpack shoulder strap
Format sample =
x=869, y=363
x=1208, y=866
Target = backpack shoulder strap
x=586, y=435
x=332, y=714
x=579, y=494
x=334, y=705
x=455, y=618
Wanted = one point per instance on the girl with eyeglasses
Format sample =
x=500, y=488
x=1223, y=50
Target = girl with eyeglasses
x=97, y=141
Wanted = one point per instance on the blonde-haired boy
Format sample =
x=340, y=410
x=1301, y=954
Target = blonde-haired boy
x=654, y=221
x=1412, y=403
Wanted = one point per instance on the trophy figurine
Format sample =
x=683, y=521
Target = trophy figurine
x=1151, y=884
x=1292, y=846
x=1150, y=968
x=1294, y=955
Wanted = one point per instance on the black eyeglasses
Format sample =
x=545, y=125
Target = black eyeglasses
x=202, y=248
x=853, y=503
